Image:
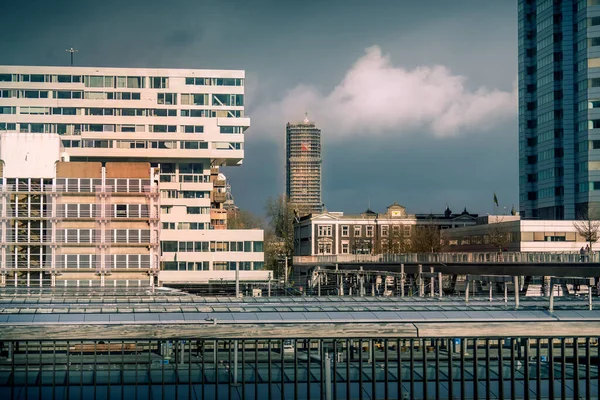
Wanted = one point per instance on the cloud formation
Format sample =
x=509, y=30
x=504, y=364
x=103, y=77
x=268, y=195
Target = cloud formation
x=376, y=97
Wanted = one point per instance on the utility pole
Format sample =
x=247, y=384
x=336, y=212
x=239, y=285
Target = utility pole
x=72, y=51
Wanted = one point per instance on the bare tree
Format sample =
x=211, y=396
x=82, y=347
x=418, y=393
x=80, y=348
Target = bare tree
x=587, y=228
x=279, y=237
x=242, y=219
x=426, y=239
x=498, y=236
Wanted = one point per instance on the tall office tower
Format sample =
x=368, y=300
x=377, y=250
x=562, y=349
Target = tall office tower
x=559, y=109
x=109, y=173
x=303, y=166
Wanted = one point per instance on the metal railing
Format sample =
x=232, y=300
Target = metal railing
x=452, y=258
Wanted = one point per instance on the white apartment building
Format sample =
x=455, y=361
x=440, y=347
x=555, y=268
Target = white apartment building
x=184, y=123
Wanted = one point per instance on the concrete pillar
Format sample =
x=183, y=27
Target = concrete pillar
x=505, y=293
x=101, y=279
x=235, y=362
x=237, y=278
x=402, y=280
x=53, y=280
x=372, y=289
x=3, y=280
x=41, y=278
x=590, y=297
x=551, y=308
x=421, y=283
x=328, y=391
x=491, y=285
x=440, y=291
x=15, y=279
x=28, y=279
x=467, y=292
x=361, y=279
x=516, y=283
x=432, y=287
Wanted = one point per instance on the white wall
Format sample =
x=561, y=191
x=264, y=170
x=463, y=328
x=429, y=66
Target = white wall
x=29, y=155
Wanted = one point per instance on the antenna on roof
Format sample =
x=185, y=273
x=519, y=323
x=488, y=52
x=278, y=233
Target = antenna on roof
x=72, y=51
x=306, y=117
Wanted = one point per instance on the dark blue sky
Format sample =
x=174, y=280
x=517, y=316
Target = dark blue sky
x=399, y=124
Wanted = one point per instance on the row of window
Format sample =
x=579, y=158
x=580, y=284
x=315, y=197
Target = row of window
x=170, y=246
x=149, y=144
x=184, y=194
x=188, y=210
x=217, y=265
x=77, y=129
x=326, y=230
x=111, y=236
x=111, y=261
x=118, y=81
x=214, y=81
x=194, y=226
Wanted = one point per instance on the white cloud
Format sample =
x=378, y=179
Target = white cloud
x=378, y=98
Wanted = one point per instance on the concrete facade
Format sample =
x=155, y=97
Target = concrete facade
x=173, y=129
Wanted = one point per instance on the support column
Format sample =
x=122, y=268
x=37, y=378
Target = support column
x=15, y=275
x=490, y=284
x=505, y=293
x=41, y=278
x=328, y=391
x=516, y=283
x=590, y=297
x=235, y=362
x=402, y=280
x=421, y=283
x=551, y=308
x=361, y=279
x=237, y=278
x=432, y=283
x=28, y=279
x=440, y=290
x=467, y=292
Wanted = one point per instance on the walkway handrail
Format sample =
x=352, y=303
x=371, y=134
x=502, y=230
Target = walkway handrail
x=481, y=257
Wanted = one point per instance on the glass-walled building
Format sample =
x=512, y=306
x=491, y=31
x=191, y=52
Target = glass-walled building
x=559, y=120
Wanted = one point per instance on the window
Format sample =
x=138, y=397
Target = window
x=159, y=82
x=167, y=98
x=169, y=246
x=228, y=100
x=193, y=128
x=165, y=209
x=385, y=230
x=345, y=248
x=121, y=210
x=324, y=230
x=345, y=231
x=357, y=230
x=231, y=129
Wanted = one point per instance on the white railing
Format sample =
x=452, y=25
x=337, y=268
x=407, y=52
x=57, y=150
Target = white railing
x=453, y=258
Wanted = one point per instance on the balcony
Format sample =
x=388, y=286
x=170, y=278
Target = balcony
x=218, y=197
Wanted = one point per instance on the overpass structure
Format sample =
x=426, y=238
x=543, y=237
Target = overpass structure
x=123, y=344
x=407, y=274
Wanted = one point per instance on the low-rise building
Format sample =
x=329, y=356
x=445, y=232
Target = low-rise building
x=510, y=233
x=369, y=232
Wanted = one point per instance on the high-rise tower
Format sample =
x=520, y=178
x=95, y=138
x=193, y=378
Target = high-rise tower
x=559, y=108
x=303, y=166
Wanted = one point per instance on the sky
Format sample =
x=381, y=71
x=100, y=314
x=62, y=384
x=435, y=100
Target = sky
x=416, y=100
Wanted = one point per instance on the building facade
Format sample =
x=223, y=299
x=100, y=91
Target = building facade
x=303, y=166
x=559, y=109
x=510, y=233
x=333, y=233
x=180, y=125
